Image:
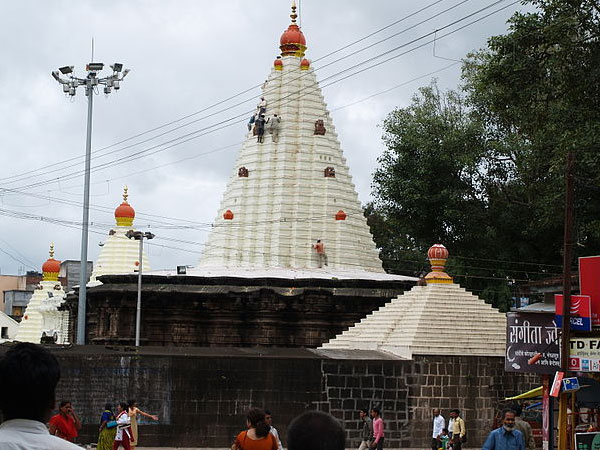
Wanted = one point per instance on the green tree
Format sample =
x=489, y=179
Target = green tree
x=483, y=171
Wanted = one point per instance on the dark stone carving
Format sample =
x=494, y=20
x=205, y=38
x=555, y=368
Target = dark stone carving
x=329, y=172
x=320, y=127
x=243, y=172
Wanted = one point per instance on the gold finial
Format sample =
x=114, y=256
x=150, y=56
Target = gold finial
x=125, y=195
x=52, y=250
x=293, y=15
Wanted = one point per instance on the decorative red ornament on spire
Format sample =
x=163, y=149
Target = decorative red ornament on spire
x=292, y=41
x=51, y=267
x=278, y=63
x=124, y=214
x=304, y=64
x=228, y=215
x=437, y=255
x=340, y=215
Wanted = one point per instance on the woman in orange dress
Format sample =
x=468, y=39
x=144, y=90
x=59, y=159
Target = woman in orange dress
x=258, y=436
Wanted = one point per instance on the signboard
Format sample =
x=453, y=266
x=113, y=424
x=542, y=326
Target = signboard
x=589, y=284
x=545, y=412
x=585, y=354
x=528, y=334
x=555, y=390
x=570, y=384
x=587, y=441
x=581, y=312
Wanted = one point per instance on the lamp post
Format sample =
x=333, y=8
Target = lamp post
x=139, y=236
x=70, y=83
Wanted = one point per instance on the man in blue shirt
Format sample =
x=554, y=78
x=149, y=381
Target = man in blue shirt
x=506, y=437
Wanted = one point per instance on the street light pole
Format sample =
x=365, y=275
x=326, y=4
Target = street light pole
x=139, y=236
x=70, y=85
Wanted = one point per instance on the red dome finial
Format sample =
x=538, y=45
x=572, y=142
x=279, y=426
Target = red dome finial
x=51, y=267
x=228, y=215
x=438, y=255
x=292, y=41
x=124, y=214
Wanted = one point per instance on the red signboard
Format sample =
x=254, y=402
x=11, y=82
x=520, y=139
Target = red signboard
x=589, y=284
x=556, y=384
x=580, y=312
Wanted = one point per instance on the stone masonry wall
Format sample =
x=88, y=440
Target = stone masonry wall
x=202, y=394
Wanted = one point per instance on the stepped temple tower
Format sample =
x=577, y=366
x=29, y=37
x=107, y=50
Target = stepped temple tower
x=42, y=320
x=119, y=254
x=294, y=187
x=422, y=321
x=290, y=261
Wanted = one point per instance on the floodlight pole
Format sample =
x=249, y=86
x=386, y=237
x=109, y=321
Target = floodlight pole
x=82, y=303
x=139, y=236
x=70, y=84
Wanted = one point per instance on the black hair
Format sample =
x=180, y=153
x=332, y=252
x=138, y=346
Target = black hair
x=505, y=411
x=445, y=429
x=131, y=403
x=64, y=403
x=517, y=408
x=268, y=412
x=28, y=377
x=366, y=411
x=457, y=411
x=124, y=405
x=377, y=410
x=256, y=417
x=315, y=430
x=108, y=406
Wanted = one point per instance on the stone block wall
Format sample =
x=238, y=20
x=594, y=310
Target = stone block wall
x=202, y=394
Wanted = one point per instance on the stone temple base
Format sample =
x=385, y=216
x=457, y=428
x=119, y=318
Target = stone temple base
x=229, y=311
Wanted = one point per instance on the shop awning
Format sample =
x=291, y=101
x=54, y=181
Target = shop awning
x=537, y=392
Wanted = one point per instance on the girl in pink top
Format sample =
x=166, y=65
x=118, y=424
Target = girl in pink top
x=377, y=429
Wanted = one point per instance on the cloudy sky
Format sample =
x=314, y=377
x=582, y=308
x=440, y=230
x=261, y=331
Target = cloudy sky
x=187, y=56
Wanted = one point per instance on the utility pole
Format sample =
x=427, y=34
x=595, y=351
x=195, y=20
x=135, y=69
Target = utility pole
x=70, y=84
x=566, y=320
x=139, y=236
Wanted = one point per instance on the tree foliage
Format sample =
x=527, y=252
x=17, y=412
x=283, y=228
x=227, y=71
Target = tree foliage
x=482, y=170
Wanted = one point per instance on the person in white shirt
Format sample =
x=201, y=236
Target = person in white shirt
x=274, y=432
x=28, y=377
x=438, y=425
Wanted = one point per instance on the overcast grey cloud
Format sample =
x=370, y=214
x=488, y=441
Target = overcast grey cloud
x=186, y=55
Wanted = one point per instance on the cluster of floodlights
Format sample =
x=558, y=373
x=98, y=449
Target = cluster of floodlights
x=110, y=82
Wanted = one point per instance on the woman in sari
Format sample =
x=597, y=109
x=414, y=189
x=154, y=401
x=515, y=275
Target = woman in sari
x=123, y=437
x=133, y=412
x=107, y=435
x=258, y=435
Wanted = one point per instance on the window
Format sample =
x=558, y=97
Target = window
x=4, y=333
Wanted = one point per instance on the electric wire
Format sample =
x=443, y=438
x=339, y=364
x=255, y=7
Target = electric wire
x=332, y=76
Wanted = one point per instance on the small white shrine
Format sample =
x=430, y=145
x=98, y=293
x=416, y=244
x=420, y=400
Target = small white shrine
x=291, y=187
x=439, y=318
x=42, y=319
x=119, y=254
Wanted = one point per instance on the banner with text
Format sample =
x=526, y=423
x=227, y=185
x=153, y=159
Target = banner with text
x=585, y=354
x=528, y=334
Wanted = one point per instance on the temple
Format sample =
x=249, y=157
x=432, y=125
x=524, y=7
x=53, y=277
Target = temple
x=290, y=261
x=291, y=185
x=423, y=321
x=43, y=319
x=119, y=254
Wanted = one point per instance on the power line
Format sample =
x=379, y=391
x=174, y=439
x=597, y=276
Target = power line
x=129, y=158
x=294, y=96
x=29, y=172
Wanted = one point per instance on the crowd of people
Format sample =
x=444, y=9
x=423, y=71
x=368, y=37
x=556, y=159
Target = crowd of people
x=29, y=375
